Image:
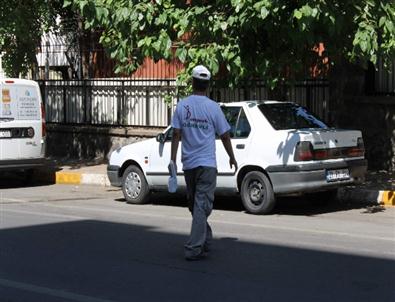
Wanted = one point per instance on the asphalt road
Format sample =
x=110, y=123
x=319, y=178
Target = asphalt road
x=69, y=243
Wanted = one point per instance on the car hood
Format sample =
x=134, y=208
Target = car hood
x=136, y=151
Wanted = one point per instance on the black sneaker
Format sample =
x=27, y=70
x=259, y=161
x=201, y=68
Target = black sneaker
x=200, y=256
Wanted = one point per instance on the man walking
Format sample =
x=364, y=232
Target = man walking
x=196, y=121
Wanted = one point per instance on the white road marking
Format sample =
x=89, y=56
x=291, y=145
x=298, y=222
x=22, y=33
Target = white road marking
x=6, y=199
x=49, y=291
x=73, y=217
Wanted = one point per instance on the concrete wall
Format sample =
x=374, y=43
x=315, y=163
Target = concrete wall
x=91, y=142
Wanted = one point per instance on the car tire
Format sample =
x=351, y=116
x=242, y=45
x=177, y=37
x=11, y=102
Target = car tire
x=257, y=193
x=134, y=186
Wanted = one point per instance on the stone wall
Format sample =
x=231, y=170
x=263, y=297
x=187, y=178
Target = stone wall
x=91, y=142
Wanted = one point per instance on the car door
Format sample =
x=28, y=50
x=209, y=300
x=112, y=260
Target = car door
x=29, y=106
x=159, y=160
x=240, y=130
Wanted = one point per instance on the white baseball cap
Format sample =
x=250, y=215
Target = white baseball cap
x=200, y=72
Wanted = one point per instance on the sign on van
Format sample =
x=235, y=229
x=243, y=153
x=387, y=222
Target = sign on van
x=20, y=102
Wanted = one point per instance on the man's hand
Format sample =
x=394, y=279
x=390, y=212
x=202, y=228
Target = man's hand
x=233, y=162
x=225, y=138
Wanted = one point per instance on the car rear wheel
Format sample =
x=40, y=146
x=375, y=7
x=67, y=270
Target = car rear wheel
x=134, y=186
x=257, y=193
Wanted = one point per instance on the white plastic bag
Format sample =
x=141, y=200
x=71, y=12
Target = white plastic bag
x=172, y=184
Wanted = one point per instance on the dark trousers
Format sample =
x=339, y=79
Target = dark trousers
x=201, y=183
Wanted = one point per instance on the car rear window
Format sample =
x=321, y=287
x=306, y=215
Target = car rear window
x=284, y=116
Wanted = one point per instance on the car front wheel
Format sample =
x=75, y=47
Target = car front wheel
x=257, y=193
x=134, y=186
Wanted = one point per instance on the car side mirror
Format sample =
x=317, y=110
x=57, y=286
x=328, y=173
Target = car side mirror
x=160, y=138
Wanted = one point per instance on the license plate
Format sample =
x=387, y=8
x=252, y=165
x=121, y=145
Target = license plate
x=5, y=133
x=335, y=175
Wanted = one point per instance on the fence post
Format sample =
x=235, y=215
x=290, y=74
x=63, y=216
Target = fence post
x=84, y=101
x=64, y=105
x=123, y=103
x=119, y=103
x=147, y=107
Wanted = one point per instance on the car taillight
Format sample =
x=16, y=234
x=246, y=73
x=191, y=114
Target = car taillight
x=321, y=154
x=357, y=151
x=303, y=151
x=43, y=128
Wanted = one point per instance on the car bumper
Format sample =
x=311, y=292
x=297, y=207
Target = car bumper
x=312, y=177
x=24, y=164
x=113, y=175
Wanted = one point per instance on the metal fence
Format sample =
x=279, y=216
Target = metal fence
x=313, y=94
x=109, y=102
x=385, y=78
x=126, y=102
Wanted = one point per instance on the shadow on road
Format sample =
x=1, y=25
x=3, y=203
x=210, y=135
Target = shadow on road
x=23, y=179
x=300, y=206
x=126, y=262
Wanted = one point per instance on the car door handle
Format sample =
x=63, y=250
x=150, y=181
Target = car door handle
x=240, y=146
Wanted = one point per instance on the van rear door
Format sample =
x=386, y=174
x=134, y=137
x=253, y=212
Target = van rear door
x=20, y=120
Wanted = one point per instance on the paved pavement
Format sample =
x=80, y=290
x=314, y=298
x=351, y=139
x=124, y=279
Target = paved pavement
x=378, y=189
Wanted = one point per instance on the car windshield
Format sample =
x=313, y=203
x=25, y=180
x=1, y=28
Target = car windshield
x=283, y=116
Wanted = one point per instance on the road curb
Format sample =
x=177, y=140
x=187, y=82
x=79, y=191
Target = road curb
x=72, y=178
x=387, y=198
x=368, y=196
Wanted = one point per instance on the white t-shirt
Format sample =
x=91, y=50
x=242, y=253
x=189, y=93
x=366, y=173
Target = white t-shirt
x=199, y=119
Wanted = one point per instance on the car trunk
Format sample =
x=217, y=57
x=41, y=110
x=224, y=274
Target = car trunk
x=327, y=144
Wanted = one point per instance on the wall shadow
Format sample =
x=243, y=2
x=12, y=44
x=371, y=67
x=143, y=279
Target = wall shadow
x=23, y=179
x=127, y=262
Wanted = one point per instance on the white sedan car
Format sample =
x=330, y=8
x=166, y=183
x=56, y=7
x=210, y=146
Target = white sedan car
x=281, y=149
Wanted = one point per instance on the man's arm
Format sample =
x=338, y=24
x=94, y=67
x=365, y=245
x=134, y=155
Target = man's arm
x=225, y=138
x=174, y=144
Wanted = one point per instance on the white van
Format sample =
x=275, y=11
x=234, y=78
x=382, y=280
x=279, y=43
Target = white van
x=22, y=125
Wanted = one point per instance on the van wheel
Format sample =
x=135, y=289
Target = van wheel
x=257, y=193
x=134, y=186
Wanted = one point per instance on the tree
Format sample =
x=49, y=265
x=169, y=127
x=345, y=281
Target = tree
x=270, y=39
x=22, y=23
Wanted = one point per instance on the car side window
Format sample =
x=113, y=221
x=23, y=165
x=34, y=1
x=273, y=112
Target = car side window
x=231, y=115
x=243, y=128
x=238, y=122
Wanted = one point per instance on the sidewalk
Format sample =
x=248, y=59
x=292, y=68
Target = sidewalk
x=378, y=189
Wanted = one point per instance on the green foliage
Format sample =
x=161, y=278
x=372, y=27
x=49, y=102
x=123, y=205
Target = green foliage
x=22, y=23
x=243, y=39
